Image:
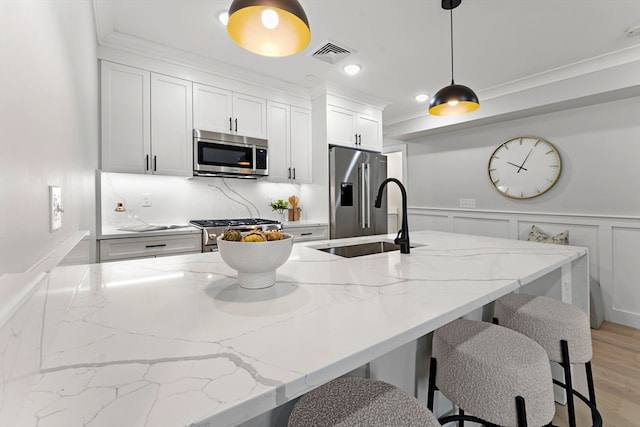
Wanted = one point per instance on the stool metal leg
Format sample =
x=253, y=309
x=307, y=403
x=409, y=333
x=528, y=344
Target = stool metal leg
x=433, y=366
x=521, y=411
x=461, y=422
x=592, y=392
x=566, y=365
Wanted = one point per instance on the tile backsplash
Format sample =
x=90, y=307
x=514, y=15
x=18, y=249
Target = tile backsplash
x=176, y=200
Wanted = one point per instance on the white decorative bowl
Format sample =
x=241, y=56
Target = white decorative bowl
x=256, y=262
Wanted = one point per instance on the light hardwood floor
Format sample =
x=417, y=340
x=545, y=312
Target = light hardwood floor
x=616, y=375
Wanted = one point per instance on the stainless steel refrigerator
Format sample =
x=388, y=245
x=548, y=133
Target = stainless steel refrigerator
x=354, y=178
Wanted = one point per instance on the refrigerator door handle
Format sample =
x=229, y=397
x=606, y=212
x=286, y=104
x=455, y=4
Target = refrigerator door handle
x=365, y=196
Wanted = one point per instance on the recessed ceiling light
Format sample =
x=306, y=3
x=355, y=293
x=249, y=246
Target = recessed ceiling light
x=223, y=17
x=352, y=69
x=422, y=97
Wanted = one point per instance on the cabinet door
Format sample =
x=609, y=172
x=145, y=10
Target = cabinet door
x=300, y=145
x=341, y=126
x=171, y=126
x=212, y=108
x=125, y=111
x=278, y=119
x=369, y=132
x=250, y=115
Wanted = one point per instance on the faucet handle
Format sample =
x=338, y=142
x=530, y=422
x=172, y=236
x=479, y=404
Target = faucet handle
x=400, y=238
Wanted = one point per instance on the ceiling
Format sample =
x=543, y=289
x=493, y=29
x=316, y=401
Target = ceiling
x=402, y=46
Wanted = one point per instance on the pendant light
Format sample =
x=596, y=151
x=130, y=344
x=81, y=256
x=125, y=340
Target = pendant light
x=454, y=99
x=269, y=27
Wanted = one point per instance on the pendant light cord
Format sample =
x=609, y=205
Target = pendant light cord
x=451, y=26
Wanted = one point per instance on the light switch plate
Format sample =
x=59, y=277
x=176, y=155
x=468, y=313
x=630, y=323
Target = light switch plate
x=55, y=208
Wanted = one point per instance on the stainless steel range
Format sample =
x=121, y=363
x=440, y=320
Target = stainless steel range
x=212, y=228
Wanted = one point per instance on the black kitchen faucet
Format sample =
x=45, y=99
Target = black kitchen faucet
x=402, y=238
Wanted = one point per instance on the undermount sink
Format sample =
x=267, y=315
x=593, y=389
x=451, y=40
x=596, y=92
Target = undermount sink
x=361, y=249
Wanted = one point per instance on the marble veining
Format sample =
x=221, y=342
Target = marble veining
x=175, y=341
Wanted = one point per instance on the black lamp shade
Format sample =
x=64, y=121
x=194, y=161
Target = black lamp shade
x=289, y=35
x=453, y=100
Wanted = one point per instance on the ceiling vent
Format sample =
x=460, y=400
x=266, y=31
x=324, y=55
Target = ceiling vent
x=331, y=53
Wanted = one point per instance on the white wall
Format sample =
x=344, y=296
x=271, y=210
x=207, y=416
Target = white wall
x=595, y=198
x=48, y=124
x=599, y=146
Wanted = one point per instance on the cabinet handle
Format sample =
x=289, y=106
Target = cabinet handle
x=294, y=173
x=356, y=136
x=230, y=125
x=147, y=162
x=161, y=245
x=236, y=124
x=289, y=173
x=306, y=234
x=359, y=139
x=155, y=163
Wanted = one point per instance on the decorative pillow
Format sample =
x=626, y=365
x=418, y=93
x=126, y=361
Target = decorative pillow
x=537, y=235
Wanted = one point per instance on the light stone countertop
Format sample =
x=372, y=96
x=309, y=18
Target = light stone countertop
x=174, y=341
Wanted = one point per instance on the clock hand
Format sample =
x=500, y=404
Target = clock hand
x=524, y=161
x=519, y=167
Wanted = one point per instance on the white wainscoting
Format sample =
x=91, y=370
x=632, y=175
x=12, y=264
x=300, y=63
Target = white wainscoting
x=613, y=242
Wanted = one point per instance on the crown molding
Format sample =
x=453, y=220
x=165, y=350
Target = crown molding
x=535, y=82
x=330, y=88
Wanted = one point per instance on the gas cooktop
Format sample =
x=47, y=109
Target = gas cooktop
x=212, y=228
x=208, y=223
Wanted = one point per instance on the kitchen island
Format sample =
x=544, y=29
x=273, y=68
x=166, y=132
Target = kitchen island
x=175, y=342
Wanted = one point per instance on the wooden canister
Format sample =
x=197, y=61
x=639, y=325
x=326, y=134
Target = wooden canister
x=294, y=214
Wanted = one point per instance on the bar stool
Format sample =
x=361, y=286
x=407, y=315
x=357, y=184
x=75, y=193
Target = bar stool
x=356, y=402
x=563, y=330
x=499, y=376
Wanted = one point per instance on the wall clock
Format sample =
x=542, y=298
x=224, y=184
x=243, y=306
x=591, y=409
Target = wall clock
x=524, y=167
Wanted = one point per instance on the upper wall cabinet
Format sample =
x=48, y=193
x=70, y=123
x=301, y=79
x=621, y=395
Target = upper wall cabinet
x=351, y=128
x=220, y=110
x=146, y=122
x=171, y=126
x=126, y=118
x=289, y=134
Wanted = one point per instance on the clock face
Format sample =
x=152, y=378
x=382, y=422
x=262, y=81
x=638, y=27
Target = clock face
x=524, y=167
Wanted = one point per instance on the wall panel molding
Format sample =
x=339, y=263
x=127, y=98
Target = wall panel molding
x=613, y=243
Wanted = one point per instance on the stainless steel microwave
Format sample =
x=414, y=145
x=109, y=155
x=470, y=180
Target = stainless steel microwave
x=226, y=155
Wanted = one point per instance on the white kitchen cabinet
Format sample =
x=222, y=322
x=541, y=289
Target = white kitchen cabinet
x=146, y=122
x=351, y=128
x=171, y=126
x=126, y=118
x=220, y=110
x=119, y=249
x=289, y=135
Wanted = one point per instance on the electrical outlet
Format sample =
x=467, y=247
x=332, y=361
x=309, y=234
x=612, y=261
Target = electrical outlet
x=467, y=203
x=55, y=208
x=146, y=200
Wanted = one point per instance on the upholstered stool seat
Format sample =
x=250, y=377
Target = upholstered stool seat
x=547, y=321
x=351, y=402
x=563, y=330
x=495, y=374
